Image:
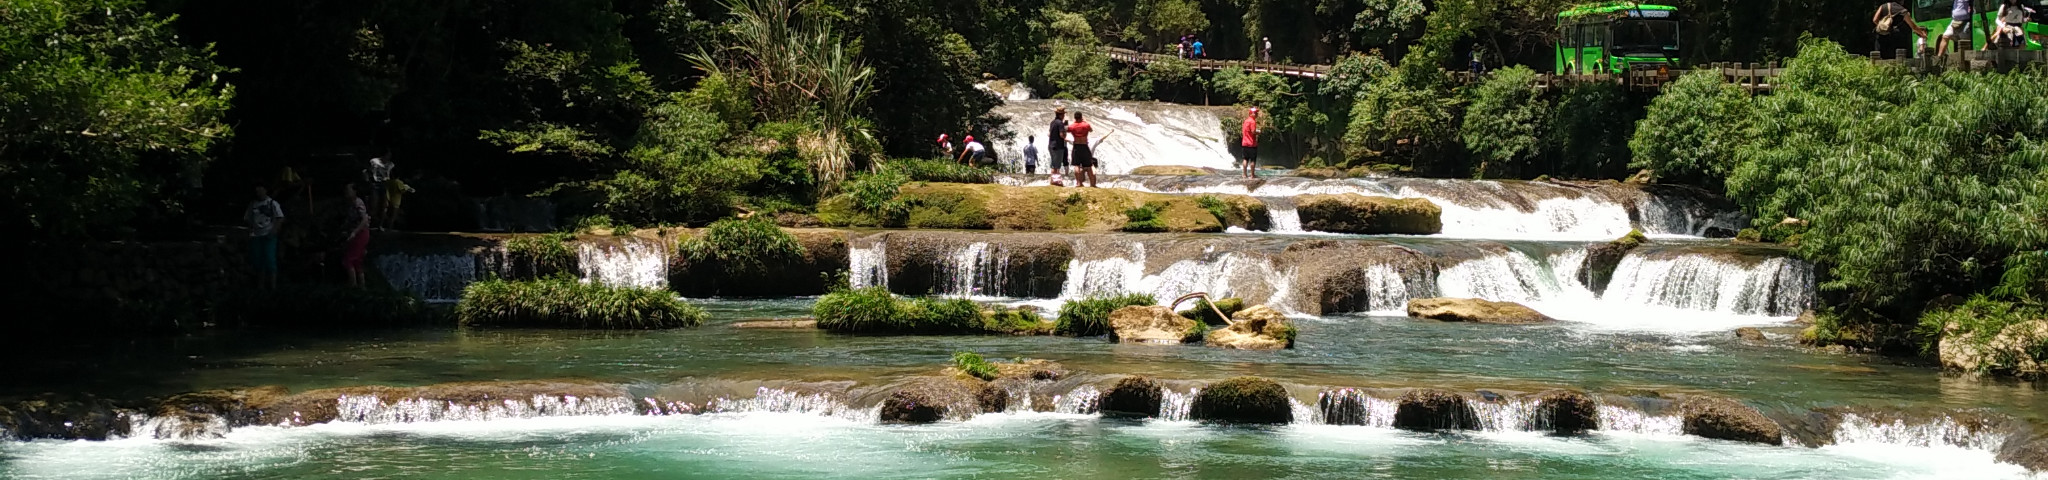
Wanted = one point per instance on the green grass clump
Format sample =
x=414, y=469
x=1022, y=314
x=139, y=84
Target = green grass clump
x=1976, y=323
x=875, y=310
x=1017, y=321
x=928, y=170
x=564, y=303
x=742, y=246
x=974, y=365
x=539, y=256
x=1090, y=316
x=1146, y=218
x=1215, y=206
x=1229, y=306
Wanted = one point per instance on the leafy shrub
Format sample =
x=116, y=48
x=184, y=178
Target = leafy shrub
x=1689, y=133
x=1976, y=323
x=1145, y=218
x=1215, y=206
x=1410, y=116
x=974, y=365
x=927, y=170
x=1504, y=126
x=563, y=303
x=742, y=246
x=1090, y=316
x=1017, y=321
x=539, y=256
x=1589, y=132
x=876, y=193
x=875, y=310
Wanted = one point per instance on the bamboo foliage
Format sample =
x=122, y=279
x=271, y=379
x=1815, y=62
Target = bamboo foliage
x=798, y=70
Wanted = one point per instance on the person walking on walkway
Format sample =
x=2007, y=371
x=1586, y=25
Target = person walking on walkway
x=1084, y=153
x=1056, y=146
x=264, y=216
x=1198, y=54
x=1030, y=156
x=1954, y=39
x=1895, y=28
x=358, y=244
x=1250, y=144
x=1266, y=49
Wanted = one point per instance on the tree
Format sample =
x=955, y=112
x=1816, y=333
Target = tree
x=1503, y=127
x=103, y=116
x=1077, y=65
x=1690, y=132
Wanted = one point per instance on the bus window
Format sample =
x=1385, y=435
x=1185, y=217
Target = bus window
x=1925, y=10
x=1645, y=36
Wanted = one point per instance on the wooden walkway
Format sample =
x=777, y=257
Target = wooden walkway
x=1299, y=71
x=1750, y=77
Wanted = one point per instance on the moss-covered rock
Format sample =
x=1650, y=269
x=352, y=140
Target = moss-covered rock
x=1726, y=419
x=1597, y=270
x=1170, y=170
x=1353, y=213
x=807, y=271
x=1566, y=412
x=1089, y=317
x=875, y=310
x=1429, y=409
x=1256, y=328
x=1475, y=310
x=1243, y=400
x=928, y=400
x=1131, y=397
x=1001, y=207
x=1151, y=324
x=1204, y=312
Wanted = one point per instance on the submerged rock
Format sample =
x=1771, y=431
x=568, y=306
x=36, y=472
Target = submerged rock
x=1475, y=310
x=1246, y=400
x=2031, y=453
x=1566, y=412
x=1726, y=419
x=778, y=324
x=1151, y=324
x=1132, y=397
x=1175, y=170
x=928, y=400
x=1750, y=334
x=1431, y=409
x=1256, y=328
x=1354, y=213
x=82, y=417
x=1597, y=270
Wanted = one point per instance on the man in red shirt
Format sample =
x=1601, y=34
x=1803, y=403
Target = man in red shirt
x=1084, y=154
x=1251, y=143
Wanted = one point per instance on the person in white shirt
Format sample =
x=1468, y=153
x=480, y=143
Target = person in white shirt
x=379, y=175
x=2012, y=22
x=972, y=152
x=264, y=216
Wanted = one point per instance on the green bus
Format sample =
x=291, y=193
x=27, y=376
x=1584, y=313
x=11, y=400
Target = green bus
x=1616, y=37
x=1933, y=15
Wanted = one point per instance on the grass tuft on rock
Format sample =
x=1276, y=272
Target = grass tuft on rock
x=563, y=303
x=974, y=365
x=931, y=170
x=1145, y=218
x=1089, y=317
x=1203, y=312
x=742, y=246
x=875, y=310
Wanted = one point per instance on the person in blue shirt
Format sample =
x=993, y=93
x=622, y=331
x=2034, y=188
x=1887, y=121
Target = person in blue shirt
x=1198, y=49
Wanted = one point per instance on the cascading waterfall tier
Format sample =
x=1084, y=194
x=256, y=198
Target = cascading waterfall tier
x=433, y=277
x=1128, y=135
x=1504, y=210
x=631, y=262
x=1776, y=286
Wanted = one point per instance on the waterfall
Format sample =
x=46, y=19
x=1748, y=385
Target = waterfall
x=1387, y=289
x=1356, y=407
x=1253, y=278
x=1777, y=286
x=173, y=427
x=1175, y=406
x=1628, y=420
x=776, y=400
x=1083, y=400
x=1508, y=415
x=371, y=409
x=1129, y=135
x=1511, y=276
x=631, y=263
x=435, y=278
x=976, y=270
x=868, y=265
x=1283, y=215
x=1942, y=432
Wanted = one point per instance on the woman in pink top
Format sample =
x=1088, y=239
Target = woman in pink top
x=358, y=237
x=1251, y=143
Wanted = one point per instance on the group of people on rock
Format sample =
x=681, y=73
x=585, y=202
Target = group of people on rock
x=264, y=218
x=1897, y=30
x=1069, y=149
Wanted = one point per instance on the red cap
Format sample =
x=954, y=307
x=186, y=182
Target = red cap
x=942, y=137
x=970, y=139
x=1255, y=109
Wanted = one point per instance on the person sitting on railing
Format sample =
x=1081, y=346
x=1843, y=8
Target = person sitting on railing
x=2012, y=21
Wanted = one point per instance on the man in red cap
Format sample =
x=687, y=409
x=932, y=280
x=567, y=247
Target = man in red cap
x=1250, y=143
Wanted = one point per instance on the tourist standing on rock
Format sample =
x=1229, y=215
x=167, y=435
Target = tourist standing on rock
x=1030, y=156
x=972, y=152
x=1084, y=154
x=264, y=216
x=358, y=234
x=1250, y=143
x=1056, y=145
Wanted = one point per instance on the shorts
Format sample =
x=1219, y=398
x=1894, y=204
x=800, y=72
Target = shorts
x=1030, y=169
x=377, y=190
x=263, y=253
x=1251, y=154
x=358, y=245
x=1059, y=157
x=1083, y=158
x=1958, y=28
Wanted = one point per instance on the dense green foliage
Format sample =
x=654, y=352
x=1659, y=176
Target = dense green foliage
x=540, y=256
x=1090, y=316
x=105, y=117
x=973, y=365
x=1145, y=218
x=741, y=247
x=1503, y=126
x=875, y=310
x=564, y=303
x=1977, y=324
x=1689, y=133
x=923, y=170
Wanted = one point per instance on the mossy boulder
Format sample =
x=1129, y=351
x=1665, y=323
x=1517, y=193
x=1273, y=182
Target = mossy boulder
x=1132, y=397
x=1202, y=310
x=1597, y=270
x=1002, y=207
x=2031, y=453
x=1566, y=412
x=209, y=413
x=928, y=400
x=1256, y=328
x=2019, y=349
x=1152, y=324
x=1170, y=170
x=1475, y=310
x=1353, y=213
x=1726, y=419
x=1427, y=410
x=81, y=417
x=1243, y=400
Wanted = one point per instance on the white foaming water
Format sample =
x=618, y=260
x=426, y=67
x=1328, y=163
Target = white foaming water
x=1777, y=287
x=1508, y=415
x=776, y=400
x=1284, y=217
x=1083, y=400
x=1227, y=275
x=1174, y=406
x=976, y=270
x=436, y=278
x=372, y=410
x=631, y=263
x=1355, y=407
x=173, y=427
x=1943, y=432
x=1632, y=421
x=1387, y=290
x=868, y=265
x=1129, y=135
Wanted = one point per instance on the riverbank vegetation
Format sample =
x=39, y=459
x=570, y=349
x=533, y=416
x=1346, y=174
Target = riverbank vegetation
x=566, y=303
x=875, y=310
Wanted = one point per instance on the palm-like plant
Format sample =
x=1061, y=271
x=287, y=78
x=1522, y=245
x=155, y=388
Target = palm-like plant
x=798, y=70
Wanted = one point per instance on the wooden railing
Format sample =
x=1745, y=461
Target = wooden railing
x=1142, y=58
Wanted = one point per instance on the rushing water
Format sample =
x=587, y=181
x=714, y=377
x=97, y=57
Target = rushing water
x=1128, y=135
